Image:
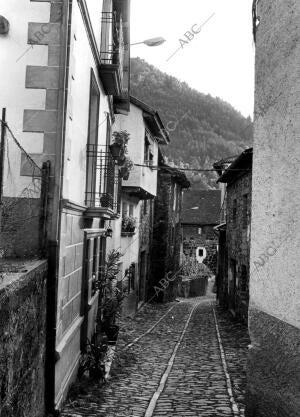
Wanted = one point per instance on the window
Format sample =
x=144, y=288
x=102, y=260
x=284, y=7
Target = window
x=245, y=211
x=124, y=209
x=148, y=154
x=92, y=141
x=145, y=207
x=244, y=279
x=127, y=209
x=175, y=198
x=131, y=210
x=234, y=212
x=103, y=180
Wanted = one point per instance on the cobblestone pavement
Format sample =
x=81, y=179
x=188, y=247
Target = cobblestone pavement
x=196, y=384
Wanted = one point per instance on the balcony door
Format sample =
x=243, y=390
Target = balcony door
x=92, y=142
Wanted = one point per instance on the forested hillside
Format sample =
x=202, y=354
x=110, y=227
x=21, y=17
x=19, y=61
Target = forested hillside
x=203, y=129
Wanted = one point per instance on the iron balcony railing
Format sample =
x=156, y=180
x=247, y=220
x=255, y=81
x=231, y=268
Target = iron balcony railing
x=103, y=179
x=112, y=42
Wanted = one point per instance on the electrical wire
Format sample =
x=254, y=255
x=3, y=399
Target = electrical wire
x=6, y=126
x=156, y=167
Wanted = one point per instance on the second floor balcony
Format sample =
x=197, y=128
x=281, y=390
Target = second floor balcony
x=103, y=189
x=112, y=52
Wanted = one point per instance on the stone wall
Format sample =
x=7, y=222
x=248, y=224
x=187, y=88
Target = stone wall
x=165, y=256
x=238, y=246
x=207, y=239
x=23, y=338
x=274, y=319
x=21, y=227
x=145, y=242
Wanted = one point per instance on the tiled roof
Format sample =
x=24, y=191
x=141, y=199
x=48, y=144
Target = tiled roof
x=201, y=207
x=240, y=166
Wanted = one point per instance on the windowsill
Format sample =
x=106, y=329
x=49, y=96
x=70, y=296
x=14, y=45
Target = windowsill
x=99, y=212
x=127, y=234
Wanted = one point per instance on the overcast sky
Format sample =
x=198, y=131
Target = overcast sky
x=219, y=60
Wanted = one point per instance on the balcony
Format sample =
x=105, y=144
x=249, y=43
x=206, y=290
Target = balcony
x=103, y=188
x=112, y=53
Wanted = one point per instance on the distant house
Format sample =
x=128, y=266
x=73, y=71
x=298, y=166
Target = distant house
x=201, y=213
x=132, y=231
x=234, y=236
x=166, y=245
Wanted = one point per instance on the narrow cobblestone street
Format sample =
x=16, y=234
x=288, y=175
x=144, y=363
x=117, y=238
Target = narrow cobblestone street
x=174, y=366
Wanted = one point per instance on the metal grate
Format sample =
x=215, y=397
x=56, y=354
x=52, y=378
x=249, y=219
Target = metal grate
x=102, y=172
x=112, y=42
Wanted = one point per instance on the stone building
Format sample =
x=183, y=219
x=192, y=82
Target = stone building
x=138, y=193
x=234, y=237
x=62, y=85
x=200, y=214
x=274, y=309
x=166, y=245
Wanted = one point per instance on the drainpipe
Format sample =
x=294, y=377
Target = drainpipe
x=2, y=152
x=55, y=226
x=2, y=157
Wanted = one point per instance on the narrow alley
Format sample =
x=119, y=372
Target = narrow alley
x=178, y=359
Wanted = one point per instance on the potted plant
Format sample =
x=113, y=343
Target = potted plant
x=128, y=224
x=110, y=296
x=118, y=148
x=93, y=360
x=126, y=168
x=106, y=200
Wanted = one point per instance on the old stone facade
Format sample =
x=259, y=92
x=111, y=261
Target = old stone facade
x=201, y=241
x=201, y=212
x=23, y=339
x=274, y=315
x=233, y=277
x=166, y=246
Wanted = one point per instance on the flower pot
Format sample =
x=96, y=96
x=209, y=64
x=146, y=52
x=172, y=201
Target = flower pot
x=124, y=173
x=97, y=372
x=116, y=151
x=122, y=158
x=112, y=332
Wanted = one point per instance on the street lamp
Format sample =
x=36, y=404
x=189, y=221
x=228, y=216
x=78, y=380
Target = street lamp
x=151, y=42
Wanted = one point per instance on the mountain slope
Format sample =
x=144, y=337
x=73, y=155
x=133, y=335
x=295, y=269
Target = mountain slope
x=203, y=129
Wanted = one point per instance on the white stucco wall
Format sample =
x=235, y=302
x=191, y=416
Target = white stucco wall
x=143, y=177
x=78, y=106
x=275, y=230
x=15, y=55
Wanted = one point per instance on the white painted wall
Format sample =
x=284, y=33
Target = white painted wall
x=275, y=228
x=144, y=177
x=78, y=107
x=15, y=55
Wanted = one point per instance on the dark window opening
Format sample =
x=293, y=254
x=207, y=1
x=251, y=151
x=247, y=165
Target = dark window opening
x=92, y=139
x=244, y=279
x=234, y=212
x=148, y=154
x=200, y=252
x=245, y=211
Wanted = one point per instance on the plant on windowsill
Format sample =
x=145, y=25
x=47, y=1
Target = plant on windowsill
x=96, y=352
x=128, y=225
x=126, y=168
x=111, y=296
x=106, y=200
x=118, y=148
